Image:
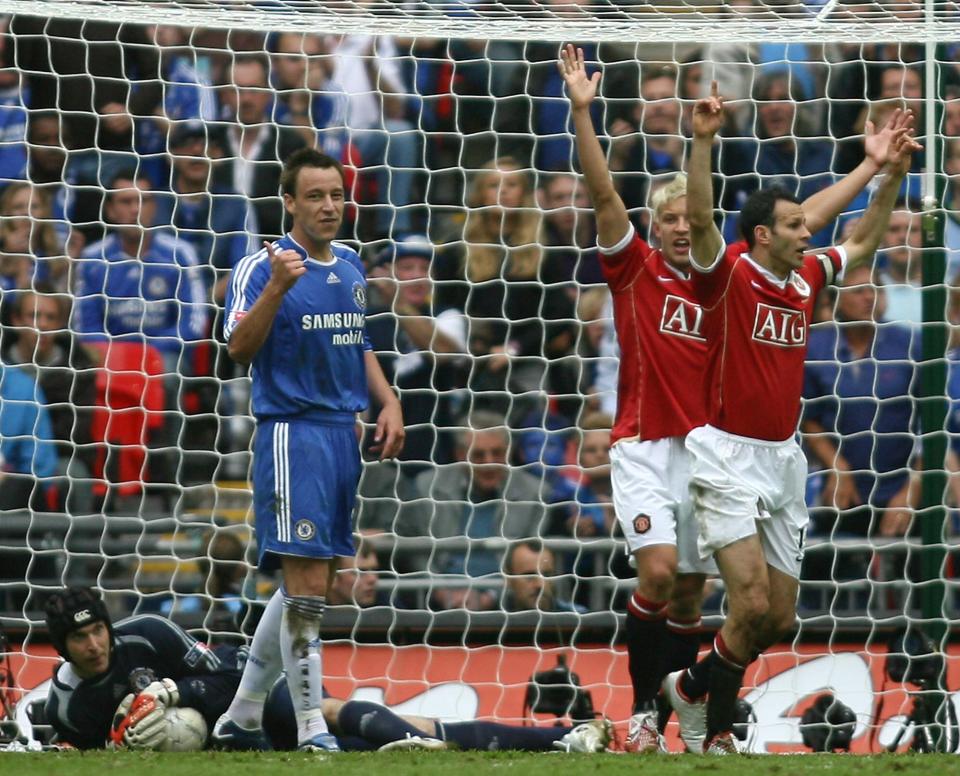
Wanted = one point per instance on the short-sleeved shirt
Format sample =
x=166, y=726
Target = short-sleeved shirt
x=663, y=348
x=757, y=326
x=312, y=364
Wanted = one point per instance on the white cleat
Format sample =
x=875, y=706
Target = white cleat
x=643, y=736
x=722, y=743
x=414, y=742
x=692, y=715
x=588, y=737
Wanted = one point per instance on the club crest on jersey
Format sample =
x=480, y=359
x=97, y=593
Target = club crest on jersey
x=141, y=678
x=304, y=530
x=359, y=296
x=681, y=318
x=803, y=288
x=641, y=524
x=780, y=326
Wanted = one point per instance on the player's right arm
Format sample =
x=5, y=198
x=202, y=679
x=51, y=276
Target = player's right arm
x=246, y=336
x=706, y=241
x=613, y=223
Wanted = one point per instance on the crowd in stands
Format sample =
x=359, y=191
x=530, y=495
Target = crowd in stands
x=124, y=203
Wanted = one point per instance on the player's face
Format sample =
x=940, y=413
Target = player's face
x=672, y=231
x=789, y=238
x=317, y=207
x=89, y=649
x=412, y=272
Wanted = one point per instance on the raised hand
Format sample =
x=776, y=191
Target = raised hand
x=901, y=153
x=878, y=144
x=708, y=113
x=581, y=88
x=286, y=267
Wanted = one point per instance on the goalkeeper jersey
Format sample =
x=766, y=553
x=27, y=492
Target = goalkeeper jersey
x=145, y=648
x=311, y=366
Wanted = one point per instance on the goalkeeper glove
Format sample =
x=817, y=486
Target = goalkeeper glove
x=163, y=691
x=138, y=723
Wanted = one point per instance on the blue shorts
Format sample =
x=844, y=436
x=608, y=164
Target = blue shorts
x=305, y=478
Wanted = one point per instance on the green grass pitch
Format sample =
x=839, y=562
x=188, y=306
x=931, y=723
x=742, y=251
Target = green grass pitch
x=464, y=764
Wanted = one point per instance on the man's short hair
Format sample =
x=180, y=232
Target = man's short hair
x=759, y=209
x=666, y=194
x=254, y=58
x=534, y=545
x=123, y=174
x=305, y=157
x=483, y=420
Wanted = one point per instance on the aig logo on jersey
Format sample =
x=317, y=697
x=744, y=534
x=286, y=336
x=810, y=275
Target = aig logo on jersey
x=681, y=318
x=780, y=326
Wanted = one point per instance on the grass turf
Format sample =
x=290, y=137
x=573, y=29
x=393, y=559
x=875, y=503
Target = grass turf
x=464, y=763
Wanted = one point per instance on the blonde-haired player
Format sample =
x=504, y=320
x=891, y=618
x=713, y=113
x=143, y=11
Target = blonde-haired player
x=661, y=397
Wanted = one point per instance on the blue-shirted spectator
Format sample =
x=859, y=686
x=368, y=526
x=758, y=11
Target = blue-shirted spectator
x=859, y=415
x=306, y=96
x=900, y=261
x=207, y=214
x=27, y=452
x=139, y=283
x=777, y=151
x=13, y=126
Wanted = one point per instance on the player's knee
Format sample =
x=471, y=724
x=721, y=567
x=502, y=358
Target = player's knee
x=655, y=578
x=751, y=606
x=687, y=597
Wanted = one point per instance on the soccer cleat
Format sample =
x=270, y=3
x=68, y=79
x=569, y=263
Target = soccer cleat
x=588, y=737
x=415, y=742
x=227, y=734
x=643, y=736
x=323, y=742
x=722, y=743
x=692, y=715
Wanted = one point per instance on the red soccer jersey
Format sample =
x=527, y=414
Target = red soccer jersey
x=662, y=346
x=756, y=327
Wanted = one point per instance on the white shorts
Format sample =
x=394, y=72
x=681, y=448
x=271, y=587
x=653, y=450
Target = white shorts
x=742, y=487
x=651, y=496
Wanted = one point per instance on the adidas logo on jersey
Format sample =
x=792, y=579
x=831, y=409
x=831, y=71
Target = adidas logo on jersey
x=331, y=279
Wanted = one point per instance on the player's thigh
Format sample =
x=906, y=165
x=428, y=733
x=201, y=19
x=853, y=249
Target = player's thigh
x=644, y=505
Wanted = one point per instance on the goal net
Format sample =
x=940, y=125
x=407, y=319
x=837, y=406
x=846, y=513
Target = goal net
x=140, y=151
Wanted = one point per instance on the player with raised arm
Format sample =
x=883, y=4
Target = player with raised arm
x=296, y=311
x=660, y=399
x=748, y=472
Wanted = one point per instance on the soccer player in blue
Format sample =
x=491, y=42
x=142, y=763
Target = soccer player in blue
x=296, y=311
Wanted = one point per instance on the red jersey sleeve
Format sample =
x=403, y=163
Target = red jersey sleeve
x=710, y=282
x=824, y=268
x=621, y=263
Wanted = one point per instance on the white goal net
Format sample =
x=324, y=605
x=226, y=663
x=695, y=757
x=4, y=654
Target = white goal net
x=140, y=151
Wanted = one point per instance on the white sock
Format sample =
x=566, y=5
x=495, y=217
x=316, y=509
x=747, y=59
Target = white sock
x=262, y=668
x=302, y=653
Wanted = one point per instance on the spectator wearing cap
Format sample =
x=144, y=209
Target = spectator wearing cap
x=420, y=347
x=207, y=214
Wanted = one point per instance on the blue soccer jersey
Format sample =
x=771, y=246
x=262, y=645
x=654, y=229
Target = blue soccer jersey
x=312, y=362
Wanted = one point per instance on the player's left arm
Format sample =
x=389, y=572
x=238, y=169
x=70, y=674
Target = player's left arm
x=825, y=205
x=865, y=239
x=389, y=436
x=706, y=242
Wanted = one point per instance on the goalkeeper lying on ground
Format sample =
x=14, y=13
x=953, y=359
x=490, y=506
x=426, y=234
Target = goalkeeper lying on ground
x=118, y=682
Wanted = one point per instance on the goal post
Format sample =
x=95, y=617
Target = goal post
x=135, y=457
